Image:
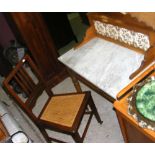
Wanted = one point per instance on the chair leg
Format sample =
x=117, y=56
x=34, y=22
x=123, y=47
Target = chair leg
x=77, y=137
x=93, y=107
x=43, y=131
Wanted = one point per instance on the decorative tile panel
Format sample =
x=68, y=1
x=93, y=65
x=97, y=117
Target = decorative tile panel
x=136, y=39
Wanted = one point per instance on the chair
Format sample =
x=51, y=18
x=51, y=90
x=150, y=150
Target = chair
x=62, y=113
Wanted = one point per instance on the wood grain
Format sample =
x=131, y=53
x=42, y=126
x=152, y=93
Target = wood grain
x=129, y=126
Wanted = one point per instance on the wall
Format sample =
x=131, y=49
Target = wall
x=5, y=32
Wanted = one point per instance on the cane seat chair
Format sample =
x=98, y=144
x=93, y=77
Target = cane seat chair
x=62, y=113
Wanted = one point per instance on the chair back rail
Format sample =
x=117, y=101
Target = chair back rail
x=31, y=88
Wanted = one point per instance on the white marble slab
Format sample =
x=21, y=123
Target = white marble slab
x=103, y=63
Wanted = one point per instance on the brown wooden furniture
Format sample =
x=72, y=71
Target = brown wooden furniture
x=116, y=29
x=76, y=78
x=129, y=127
x=31, y=29
x=126, y=22
x=62, y=113
x=3, y=132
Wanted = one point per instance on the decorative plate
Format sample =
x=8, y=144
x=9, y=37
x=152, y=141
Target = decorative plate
x=142, y=103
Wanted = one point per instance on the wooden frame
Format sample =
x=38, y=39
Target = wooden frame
x=130, y=129
x=34, y=90
x=123, y=21
x=31, y=29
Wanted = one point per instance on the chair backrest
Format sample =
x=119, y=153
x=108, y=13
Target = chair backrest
x=25, y=84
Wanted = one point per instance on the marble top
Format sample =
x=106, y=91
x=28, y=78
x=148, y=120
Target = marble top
x=104, y=64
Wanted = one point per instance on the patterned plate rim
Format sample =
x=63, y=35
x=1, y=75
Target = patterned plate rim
x=132, y=109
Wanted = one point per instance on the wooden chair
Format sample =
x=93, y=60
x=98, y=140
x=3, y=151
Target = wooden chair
x=62, y=113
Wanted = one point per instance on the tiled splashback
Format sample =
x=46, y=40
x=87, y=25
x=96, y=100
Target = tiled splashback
x=136, y=39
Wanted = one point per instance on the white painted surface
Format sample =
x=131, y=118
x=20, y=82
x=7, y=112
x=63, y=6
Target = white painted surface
x=104, y=64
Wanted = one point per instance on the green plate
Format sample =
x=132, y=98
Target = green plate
x=145, y=100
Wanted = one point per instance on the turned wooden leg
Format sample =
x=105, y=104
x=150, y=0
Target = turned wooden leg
x=75, y=81
x=93, y=107
x=77, y=137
